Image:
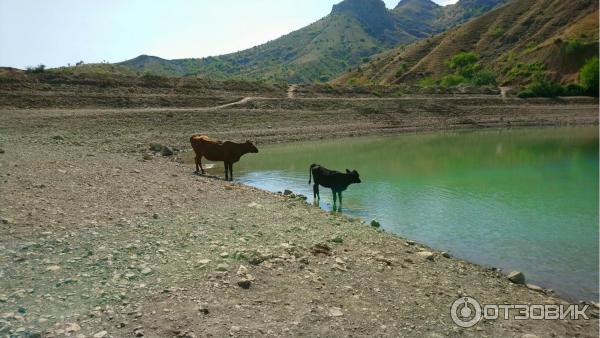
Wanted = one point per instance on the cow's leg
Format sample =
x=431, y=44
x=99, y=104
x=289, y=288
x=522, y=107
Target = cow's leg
x=197, y=160
x=199, y=163
x=231, y=171
x=340, y=196
x=334, y=198
x=316, y=191
x=226, y=171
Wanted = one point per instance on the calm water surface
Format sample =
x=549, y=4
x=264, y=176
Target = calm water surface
x=520, y=199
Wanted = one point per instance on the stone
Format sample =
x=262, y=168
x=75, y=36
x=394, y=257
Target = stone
x=203, y=308
x=146, y=271
x=383, y=259
x=1, y=151
x=426, y=254
x=321, y=248
x=516, y=277
x=58, y=138
x=242, y=270
x=409, y=242
x=156, y=146
x=204, y=261
x=335, y=312
x=224, y=254
x=53, y=268
x=155, y=215
x=222, y=267
x=529, y=335
x=287, y=192
x=100, y=334
x=72, y=327
x=534, y=287
x=445, y=254
x=244, y=283
x=167, y=151
x=375, y=224
x=138, y=332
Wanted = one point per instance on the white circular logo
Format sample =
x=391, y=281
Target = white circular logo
x=466, y=312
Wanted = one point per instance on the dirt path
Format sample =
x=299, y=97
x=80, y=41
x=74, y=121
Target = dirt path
x=291, y=91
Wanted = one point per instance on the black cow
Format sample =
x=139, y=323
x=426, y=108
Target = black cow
x=335, y=180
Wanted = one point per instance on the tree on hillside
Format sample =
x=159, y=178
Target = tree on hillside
x=588, y=76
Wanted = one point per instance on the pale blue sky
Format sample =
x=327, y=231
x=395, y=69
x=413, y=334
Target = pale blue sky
x=61, y=31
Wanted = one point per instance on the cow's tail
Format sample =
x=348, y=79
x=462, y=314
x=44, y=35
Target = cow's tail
x=310, y=172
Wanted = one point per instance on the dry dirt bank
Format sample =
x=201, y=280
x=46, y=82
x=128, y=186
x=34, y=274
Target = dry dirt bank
x=99, y=237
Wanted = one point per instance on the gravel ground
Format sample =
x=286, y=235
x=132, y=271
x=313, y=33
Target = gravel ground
x=102, y=238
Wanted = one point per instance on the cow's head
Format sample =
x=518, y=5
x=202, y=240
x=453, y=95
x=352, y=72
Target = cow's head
x=354, y=177
x=251, y=147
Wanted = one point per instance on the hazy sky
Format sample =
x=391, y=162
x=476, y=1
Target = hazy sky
x=61, y=31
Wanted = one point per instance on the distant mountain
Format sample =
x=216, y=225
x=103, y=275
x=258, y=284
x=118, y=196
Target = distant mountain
x=353, y=31
x=514, y=41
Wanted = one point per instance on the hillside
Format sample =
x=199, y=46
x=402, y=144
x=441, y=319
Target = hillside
x=513, y=42
x=353, y=31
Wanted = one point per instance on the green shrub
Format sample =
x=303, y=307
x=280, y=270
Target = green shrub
x=451, y=80
x=573, y=89
x=463, y=60
x=573, y=46
x=497, y=32
x=38, y=69
x=542, y=87
x=484, y=78
x=588, y=76
x=427, y=82
x=402, y=69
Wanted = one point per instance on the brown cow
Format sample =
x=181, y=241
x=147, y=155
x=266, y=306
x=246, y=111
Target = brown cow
x=214, y=150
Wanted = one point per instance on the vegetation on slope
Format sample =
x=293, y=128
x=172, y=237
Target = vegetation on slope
x=353, y=31
x=518, y=42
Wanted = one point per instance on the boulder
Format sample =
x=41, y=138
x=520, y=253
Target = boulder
x=516, y=277
x=166, y=151
x=426, y=254
x=534, y=287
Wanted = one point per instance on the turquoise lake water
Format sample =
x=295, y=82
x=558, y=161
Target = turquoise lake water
x=516, y=199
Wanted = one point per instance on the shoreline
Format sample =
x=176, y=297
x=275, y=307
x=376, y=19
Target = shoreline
x=101, y=234
x=541, y=287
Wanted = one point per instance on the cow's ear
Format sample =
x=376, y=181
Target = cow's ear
x=347, y=171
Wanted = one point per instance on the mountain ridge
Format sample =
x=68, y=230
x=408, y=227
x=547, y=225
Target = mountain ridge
x=515, y=41
x=318, y=52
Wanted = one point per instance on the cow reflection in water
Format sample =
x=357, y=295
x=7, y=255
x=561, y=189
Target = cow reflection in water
x=335, y=180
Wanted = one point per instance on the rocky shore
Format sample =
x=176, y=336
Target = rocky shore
x=102, y=237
